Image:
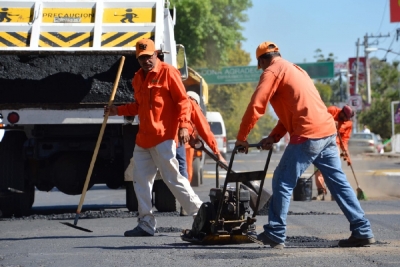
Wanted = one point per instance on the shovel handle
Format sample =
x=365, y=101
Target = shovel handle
x=96, y=150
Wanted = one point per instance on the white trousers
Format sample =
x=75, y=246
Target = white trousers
x=145, y=164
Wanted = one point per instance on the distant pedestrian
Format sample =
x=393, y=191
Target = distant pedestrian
x=366, y=130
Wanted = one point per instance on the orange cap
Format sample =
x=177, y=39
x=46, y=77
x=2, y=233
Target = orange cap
x=266, y=47
x=145, y=47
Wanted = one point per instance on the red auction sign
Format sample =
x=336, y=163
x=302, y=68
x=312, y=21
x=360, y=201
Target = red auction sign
x=352, y=70
x=394, y=10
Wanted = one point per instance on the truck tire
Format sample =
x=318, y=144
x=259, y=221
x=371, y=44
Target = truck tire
x=164, y=200
x=12, y=176
x=70, y=171
x=197, y=177
x=131, y=200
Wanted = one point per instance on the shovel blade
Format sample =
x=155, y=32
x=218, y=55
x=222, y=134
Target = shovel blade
x=76, y=227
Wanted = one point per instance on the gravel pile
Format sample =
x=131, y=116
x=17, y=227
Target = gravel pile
x=40, y=80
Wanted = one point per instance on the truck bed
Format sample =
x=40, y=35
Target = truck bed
x=63, y=81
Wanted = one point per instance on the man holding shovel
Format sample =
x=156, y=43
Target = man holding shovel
x=344, y=125
x=312, y=130
x=163, y=108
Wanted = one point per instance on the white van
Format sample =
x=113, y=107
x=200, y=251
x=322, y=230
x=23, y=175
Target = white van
x=217, y=126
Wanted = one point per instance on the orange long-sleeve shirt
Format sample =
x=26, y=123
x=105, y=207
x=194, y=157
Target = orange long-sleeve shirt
x=296, y=102
x=344, y=127
x=161, y=103
x=202, y=126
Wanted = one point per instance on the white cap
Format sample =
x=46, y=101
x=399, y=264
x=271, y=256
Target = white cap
x=194, y=95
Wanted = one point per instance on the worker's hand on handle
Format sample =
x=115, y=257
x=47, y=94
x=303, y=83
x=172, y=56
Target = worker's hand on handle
x=345, y=157
x=183, y=136
x=222, y=159
x=267, y=143
x=244, y=145
x=113, y=110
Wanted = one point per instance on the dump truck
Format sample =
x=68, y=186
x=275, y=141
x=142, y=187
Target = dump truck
x=58, y=62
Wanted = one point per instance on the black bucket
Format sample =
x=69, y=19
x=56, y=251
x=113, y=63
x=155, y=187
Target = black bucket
x=303, y=190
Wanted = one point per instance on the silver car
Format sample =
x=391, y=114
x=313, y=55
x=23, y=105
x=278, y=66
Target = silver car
x=363, y=143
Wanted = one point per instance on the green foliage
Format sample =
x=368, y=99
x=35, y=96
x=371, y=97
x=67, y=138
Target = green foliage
x=385, y=87
x=320, y=57
x=209, y=29
x=325, y=91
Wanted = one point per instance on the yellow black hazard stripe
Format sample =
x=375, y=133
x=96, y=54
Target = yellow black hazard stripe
x=58, y=39
x=123, y=39
x=15, y=39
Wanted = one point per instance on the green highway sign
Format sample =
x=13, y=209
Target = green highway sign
x=319, y=70
x=231, y=75
x=250, y=74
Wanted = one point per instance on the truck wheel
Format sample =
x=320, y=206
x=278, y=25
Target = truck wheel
x=12, y=176
x=70, y=171
x=131, y=200
x=164, y=199
x=197, y=178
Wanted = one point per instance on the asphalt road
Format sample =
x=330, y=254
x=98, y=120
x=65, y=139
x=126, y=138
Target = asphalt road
x=314, y=227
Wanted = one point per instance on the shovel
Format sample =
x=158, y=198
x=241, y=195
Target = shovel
x=96, y=150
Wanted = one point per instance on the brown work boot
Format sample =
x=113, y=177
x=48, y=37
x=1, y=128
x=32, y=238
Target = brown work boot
x=356, y=242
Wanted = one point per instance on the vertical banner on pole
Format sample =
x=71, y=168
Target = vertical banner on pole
x=394, y=11
x=352, y=65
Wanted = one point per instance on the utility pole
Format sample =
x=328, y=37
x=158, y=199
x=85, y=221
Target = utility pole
x=368, y=67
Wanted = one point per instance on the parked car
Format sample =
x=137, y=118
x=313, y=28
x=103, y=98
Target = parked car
x=230, y=145
x=364, y=143
x=217, y=126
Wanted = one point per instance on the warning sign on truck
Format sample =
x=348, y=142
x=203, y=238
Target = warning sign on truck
x=129, y=15
x=68, y=15
x=15, y=14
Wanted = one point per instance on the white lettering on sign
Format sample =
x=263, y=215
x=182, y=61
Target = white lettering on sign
x=67, y=20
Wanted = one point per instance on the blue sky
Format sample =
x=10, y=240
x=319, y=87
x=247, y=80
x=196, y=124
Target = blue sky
x=301, y=27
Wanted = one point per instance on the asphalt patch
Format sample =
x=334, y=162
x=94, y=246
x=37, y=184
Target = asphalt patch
x=51, y=81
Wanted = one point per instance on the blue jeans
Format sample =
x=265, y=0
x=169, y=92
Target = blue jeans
x=181, y=157
x=323, y=153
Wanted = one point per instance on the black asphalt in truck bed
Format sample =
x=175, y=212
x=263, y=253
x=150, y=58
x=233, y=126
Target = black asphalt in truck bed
x=51, y=81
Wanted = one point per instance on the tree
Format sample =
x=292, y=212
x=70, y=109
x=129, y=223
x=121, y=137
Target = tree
x=385, y=87
x=321, y=58
x=325, y=91
x=209, y=29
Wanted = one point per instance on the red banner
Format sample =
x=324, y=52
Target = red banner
x=394, y=10
x=352, y=70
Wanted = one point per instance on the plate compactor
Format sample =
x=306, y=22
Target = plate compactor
x=223, y=220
